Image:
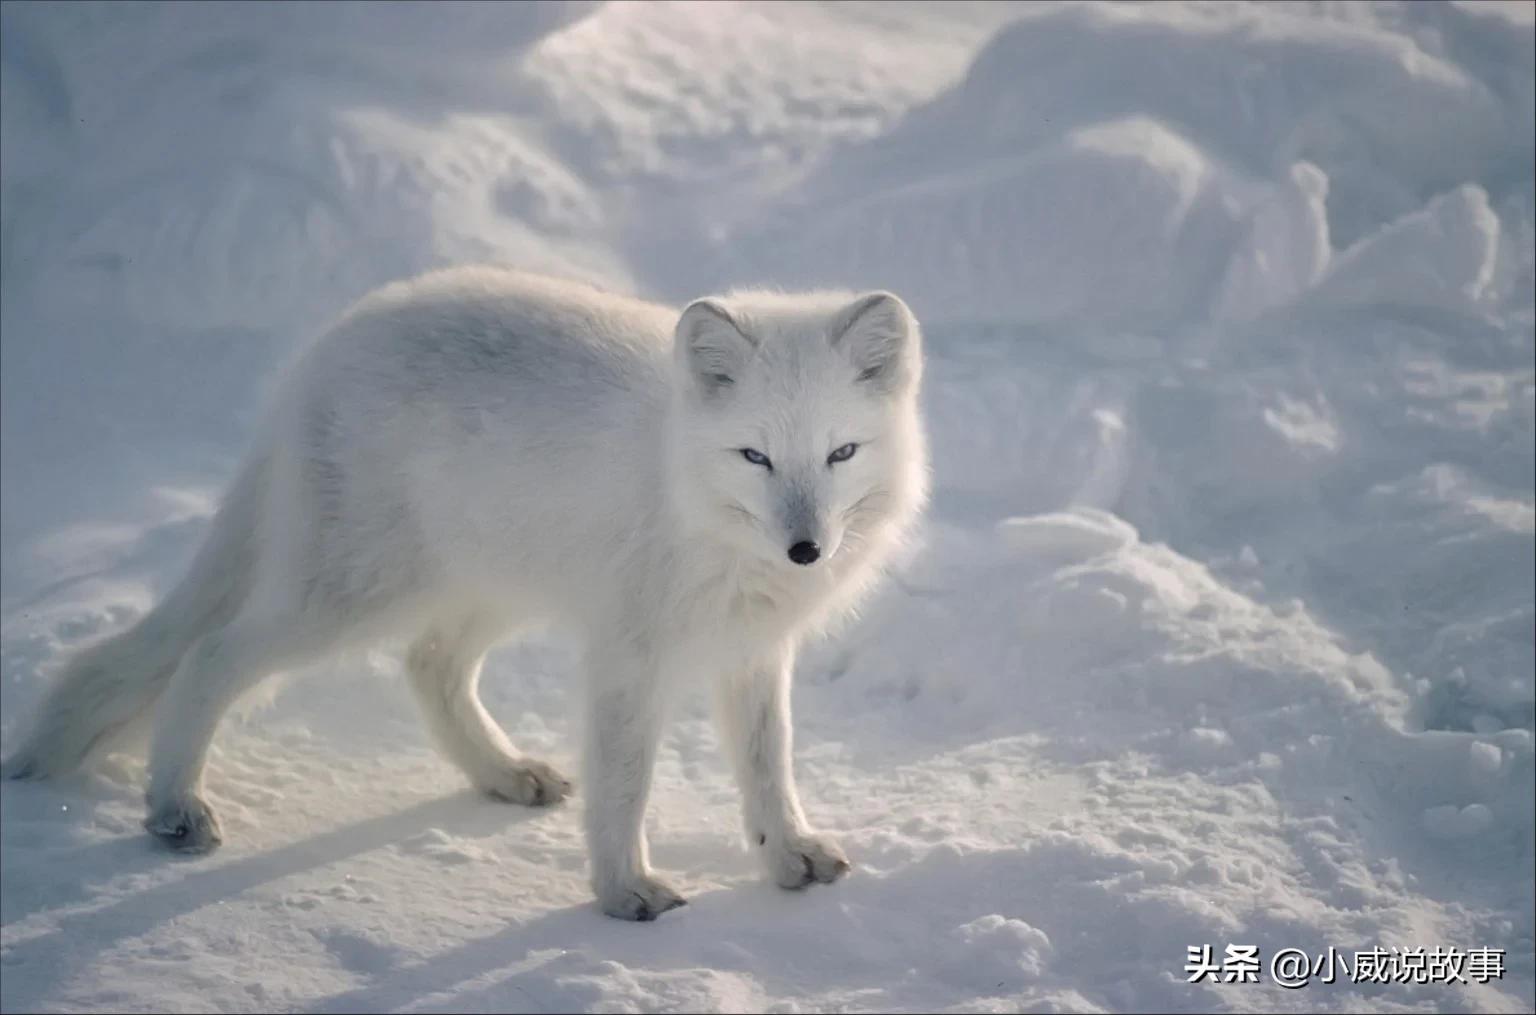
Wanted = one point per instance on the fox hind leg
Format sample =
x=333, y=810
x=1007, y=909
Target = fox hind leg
x=214, y=672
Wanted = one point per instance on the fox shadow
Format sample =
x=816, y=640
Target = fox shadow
x=884, y=937
x=36, y=965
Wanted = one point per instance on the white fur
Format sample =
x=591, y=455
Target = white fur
x=477, y=450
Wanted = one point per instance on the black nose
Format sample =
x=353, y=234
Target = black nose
x=804, y=552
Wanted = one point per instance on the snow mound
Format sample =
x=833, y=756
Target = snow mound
x=1132, y=166
x=1441, y=256
x=1103, y=620
x=1066, y=536
x=1385, y=119
x=297, y=168
x=995, y=947
x=1115, y=222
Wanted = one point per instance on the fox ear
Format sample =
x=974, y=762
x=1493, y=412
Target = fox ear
x=712, y=346
x=881, y=336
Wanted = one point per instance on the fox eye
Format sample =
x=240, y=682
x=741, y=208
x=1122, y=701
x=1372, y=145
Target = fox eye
x=756, y=457
x=842, y=454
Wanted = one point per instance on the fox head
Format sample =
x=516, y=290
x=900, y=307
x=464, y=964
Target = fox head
x=796, y=432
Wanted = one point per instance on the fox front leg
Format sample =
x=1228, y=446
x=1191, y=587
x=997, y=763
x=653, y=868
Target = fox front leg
x=754, y=717
x=624, y=721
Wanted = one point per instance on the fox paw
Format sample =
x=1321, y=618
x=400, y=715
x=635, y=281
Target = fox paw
x=799, y=860
x=642, y=899
x=528, y=782
x=186, y=824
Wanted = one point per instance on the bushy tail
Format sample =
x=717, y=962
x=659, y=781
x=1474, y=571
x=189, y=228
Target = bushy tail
x=110, y=684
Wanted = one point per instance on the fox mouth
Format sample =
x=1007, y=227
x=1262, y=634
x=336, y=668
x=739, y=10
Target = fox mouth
x=824, y=552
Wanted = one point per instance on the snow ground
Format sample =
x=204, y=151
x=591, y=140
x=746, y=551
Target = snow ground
x=1222, y=632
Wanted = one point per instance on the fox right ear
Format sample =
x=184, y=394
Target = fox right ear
x=712, y=347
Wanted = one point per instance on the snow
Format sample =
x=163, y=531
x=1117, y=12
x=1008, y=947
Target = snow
x=1221, y=628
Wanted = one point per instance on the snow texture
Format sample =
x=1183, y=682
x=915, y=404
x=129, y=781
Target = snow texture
x=1221, y=629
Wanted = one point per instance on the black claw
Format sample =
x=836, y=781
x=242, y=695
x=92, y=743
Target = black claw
x=538, y=793
x=762, y=839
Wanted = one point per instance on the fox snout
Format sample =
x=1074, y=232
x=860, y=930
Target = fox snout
x=809, y=537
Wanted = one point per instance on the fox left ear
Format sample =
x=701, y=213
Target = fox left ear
x=881, y=336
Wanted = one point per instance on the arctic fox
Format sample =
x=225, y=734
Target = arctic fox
x=477, y=450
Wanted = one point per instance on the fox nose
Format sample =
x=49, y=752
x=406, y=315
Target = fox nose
x=805, y=552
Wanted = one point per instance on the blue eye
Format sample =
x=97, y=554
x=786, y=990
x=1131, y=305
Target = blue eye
x=842, y=454
x=756, y=457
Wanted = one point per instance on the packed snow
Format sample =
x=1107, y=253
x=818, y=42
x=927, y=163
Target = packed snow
x=1220, y=631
